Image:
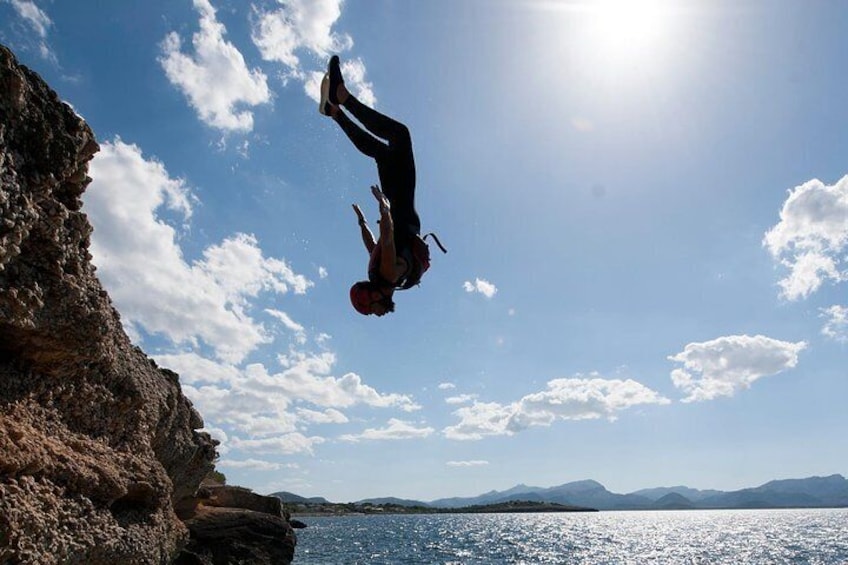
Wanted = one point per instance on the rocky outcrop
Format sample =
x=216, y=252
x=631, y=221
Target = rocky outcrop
x=98, y=445
x=258, y=532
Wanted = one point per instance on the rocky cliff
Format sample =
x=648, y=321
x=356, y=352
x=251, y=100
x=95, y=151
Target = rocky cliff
x=98, y=445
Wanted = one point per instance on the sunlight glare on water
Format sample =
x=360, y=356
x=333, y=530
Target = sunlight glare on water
x=818, y=537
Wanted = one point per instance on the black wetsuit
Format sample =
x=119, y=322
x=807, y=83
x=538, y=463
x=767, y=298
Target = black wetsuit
x=395, y=164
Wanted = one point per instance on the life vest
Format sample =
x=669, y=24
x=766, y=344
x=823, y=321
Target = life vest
x=417, y=256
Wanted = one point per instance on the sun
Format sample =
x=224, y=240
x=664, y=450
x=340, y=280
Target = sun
x=627, y=28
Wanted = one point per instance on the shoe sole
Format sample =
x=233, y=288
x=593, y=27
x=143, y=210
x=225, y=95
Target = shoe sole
x=324, y=103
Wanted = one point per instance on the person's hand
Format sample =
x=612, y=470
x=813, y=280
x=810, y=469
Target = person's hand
x=385, y=207
x=359, y=215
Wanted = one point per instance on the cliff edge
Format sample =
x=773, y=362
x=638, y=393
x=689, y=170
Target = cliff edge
x=98, y=445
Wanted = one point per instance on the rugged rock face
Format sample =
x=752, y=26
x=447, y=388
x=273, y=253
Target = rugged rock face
x=97, y=444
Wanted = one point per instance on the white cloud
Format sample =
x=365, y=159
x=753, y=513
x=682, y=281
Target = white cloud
x=194, y=369
x=243, y=408
x=285, y=319
x=306, y=26
x=254, y=465
x=395, y=430
x=472, y=463
x=215, y=78
x=143, y=268
x=322, y=273
x=446, y=386
x=460, y=398
x=328, y=416
x=39, y=21
x=564, y=399
x=482, y=286
x=297, y=25
x=287, y=444
x=836, y=324
x=811, y=238
x=256, y=403
x=304, y=380
x=35, y=16
x=322, y=338
x=725, y=365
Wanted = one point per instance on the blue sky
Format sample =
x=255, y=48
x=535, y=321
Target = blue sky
x=645, y=206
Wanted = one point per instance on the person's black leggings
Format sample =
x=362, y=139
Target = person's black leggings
x=395, y=163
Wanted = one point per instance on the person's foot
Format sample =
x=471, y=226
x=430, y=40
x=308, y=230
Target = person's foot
x=338, y=92
x=326, y=107
x=324, y=102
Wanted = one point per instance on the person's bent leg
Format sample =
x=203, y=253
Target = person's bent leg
x=379, y=124
x=364, y=141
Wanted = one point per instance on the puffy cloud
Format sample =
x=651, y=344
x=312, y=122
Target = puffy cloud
x=725, y=365
x=254, y=402
x=194, y=369
x=306, y=26
x=482, y=286
x=446, y=386
x=287, y=444
x=215, y=78
x=564, y=399
x=303, y=380
x=328, y=416
x=254, y=465
x=472, y=463
x=395, y=430
x=811, y=238
x=243, y=409
x=297, y=25
x=460, y=398
x=836, y=322
x=142, y=266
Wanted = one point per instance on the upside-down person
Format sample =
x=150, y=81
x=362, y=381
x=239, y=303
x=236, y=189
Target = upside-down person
x=399, y=257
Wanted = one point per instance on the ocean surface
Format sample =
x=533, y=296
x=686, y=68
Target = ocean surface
x=687, y=536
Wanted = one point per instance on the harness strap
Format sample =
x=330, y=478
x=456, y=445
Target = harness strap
x=436, y=239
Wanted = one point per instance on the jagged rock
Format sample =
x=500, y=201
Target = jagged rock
x=97, y=444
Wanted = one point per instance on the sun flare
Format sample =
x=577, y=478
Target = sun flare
x=628, y=28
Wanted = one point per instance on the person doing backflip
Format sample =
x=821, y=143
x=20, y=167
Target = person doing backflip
x=399, y=256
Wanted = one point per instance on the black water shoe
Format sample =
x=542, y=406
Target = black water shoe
x=335, y=72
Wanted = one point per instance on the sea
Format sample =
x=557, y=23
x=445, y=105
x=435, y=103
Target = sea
x=738, y=537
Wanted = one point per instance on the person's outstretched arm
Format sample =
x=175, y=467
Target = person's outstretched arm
x=388, y=254
x=365, y=231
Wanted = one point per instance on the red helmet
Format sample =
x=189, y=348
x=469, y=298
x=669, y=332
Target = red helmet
x=360, y=297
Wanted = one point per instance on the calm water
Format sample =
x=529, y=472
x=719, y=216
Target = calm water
x=698, y=536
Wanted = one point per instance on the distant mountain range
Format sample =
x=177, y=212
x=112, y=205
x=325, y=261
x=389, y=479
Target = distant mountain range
x=812, y=492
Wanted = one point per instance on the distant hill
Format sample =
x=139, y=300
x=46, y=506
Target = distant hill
x=692, y=494
x=791, y=493
x=812, y=492
x=292, y=498
x=673, y=501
